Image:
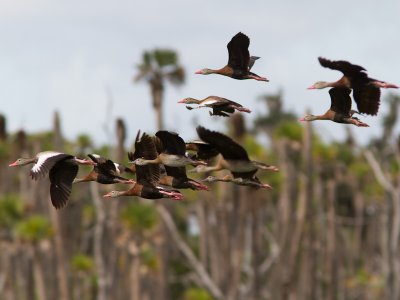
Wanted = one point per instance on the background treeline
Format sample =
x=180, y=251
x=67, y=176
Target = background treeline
x=329, y=229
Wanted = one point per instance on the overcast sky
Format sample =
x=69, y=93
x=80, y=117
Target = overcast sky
x=79, y=57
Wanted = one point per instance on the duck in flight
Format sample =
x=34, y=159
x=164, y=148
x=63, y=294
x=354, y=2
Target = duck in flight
x=239, y=61
x=340, y=110
x=62, y=169
x=220, y=106
x=366, y=90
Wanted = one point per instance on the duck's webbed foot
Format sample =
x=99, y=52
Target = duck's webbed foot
x=358, y=123
x=173, y=195
x=265, y=186
x=258, y=78
x=198, y=186
x=243, y=109
x=130, y=181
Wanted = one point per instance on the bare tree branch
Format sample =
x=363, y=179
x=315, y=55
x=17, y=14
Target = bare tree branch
x=97, y=242
x=200, y=270
x=386, y=184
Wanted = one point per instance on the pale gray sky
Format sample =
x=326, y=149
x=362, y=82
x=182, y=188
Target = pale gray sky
x=63, y=55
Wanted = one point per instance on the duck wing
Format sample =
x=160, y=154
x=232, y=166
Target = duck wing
x=219, y=101
x=97, y=158
x=340, y=100
x=45, y=162
x=171, y=142
x=252, y=60
x=61, y=177
x=238, y=49
x=367, y=98
x=204, y=150
x=224, y=144
x=223, y=111
x=145, y=148
x=104, y=166
x=348, y=69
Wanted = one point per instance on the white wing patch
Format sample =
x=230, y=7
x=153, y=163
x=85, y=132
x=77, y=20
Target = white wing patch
x=42, y=158
x=117, y=168
x=210, y=102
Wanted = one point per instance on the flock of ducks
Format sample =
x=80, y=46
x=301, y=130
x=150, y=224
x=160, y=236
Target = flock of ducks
x=159, y=162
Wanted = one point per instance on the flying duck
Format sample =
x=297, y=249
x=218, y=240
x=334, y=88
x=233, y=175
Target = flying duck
x=234, y=156
x=171, y=152
x=366, y=91
x=62, y=169
x=105, y=172
x=147, y=176
x=340, y=110
x=220, y=106
x=238, y=181
x=239, y=62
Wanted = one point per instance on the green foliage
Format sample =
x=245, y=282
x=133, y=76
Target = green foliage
x=104, y=151
x=373, y=190
x=343, y=153
x=34, y=229
x=197, y=294
x=11, y=210
x=290, y=130
x=82, y=262
x=360, y=169
x=45, y=139
x=253, y=148
x=139, y=217
x=158, y=65
x=149, y=258
x=84, y=143
x=323, y=152
x=4, y=150
x=276, y=114
x=165, y=57
x=89, y=214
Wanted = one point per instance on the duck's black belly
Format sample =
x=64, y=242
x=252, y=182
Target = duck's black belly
x=239, y=74
x=149, y=192
x=341, y=118
x=105, y=179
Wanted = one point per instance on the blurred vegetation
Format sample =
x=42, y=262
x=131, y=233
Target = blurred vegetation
x=327, y=229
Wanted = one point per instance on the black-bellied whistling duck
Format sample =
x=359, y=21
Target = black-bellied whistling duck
x=105, y=172
x=176, y=177
x=239, y=62
x=220, y=106
x=147, y=176
x=62, y=169
x=172, y=152
x=234, y=156
x=366, y=92
x=340, y=110
x=238, y=181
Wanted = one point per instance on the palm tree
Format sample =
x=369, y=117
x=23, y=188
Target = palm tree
x=158, y=67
